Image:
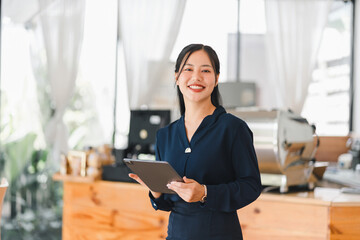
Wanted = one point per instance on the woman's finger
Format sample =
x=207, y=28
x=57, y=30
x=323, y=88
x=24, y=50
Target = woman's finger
x=188, y=180
x=136, y=178
x=189, y=191
x=174, y=186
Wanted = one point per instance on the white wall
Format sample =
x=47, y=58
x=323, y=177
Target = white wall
x=253, y=66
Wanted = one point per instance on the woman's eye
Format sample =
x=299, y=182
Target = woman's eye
x=187, y=69
x=207, y=71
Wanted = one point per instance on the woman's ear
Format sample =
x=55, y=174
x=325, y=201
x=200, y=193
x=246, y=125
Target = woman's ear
x=217, y=80
x=176, y=78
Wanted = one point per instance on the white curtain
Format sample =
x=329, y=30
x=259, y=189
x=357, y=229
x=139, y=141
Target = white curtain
x=62, y=25
x=294, y=30
x=356, y=106
x=148, y=32
x=20, y=11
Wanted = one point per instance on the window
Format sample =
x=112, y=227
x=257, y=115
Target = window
x=215, y=23
x=328, y=101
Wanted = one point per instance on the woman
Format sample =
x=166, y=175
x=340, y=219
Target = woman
x=212, y=149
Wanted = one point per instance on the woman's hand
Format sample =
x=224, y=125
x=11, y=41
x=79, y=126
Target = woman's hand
x=189, y=190
x=136, y=178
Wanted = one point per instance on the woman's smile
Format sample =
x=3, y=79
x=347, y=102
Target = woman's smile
x=196, y=87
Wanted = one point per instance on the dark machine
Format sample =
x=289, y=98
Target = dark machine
x=141, y=142
x=143, y=127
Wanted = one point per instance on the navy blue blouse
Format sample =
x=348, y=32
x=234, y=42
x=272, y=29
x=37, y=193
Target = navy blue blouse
x=222, y=157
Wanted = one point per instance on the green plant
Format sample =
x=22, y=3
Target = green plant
x=35, y=200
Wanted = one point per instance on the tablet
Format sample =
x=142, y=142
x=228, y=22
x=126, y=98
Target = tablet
x=155, y=174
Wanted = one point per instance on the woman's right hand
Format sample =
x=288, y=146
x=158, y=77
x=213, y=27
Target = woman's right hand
x=136, y=178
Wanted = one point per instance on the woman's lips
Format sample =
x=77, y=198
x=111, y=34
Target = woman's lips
x=196, y=88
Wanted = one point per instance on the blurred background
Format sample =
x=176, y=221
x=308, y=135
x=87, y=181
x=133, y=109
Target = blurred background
x=71, y=71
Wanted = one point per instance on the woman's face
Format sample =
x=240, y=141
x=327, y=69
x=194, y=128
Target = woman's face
x=197, y=79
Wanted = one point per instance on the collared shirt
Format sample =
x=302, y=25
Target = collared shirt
x=220, y=155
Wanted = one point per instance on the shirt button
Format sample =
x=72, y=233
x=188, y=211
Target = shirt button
x=188, y=150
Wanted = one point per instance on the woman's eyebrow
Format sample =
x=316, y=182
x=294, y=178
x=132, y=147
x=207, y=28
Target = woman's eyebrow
x=204, y=65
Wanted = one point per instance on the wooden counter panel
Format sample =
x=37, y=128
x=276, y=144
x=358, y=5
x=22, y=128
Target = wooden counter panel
x=102, y=211
x=106, y=195
x=345, y=223
x=283, y=220
x=109, y=210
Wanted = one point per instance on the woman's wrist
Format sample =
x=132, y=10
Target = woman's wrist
x=156, y=194
x=203, y=199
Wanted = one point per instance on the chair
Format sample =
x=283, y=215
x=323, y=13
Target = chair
x=3, y=186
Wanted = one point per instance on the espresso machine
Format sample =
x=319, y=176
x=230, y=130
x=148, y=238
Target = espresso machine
x=285, y=145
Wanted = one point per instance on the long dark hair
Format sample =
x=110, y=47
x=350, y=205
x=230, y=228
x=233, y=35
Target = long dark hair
x=185, y=53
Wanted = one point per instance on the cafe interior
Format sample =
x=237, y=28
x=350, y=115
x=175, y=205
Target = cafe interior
x=87, y=83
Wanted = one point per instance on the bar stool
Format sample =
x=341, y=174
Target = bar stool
x=3, y=186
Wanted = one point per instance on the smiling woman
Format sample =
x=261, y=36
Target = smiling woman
x=213, y=152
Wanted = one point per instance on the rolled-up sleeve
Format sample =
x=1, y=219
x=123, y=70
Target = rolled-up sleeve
x=160, y=203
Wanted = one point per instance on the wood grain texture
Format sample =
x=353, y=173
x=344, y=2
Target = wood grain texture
x=284, y=220
x=103, y=210
x=110, y=211
x=344, y=223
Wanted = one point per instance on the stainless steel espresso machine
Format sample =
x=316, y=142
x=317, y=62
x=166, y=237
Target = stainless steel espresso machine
x=285, y=144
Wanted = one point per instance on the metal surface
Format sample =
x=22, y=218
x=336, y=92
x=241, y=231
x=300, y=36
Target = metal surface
x=285, y=146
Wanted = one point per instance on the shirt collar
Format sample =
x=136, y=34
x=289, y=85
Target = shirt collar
x=218, y=111
x=208, y=120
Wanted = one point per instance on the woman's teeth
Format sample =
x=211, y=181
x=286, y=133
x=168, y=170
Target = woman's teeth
x=196, y=87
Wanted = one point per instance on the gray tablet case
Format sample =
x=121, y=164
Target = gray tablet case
x=155, y=174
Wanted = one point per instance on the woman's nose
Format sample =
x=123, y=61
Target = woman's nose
x=196, y=75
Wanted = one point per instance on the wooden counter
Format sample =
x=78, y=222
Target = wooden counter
x=108, y=210
x=322, y=214
x=104, y=210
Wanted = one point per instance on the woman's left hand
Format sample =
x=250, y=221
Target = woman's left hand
x=189, y=190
